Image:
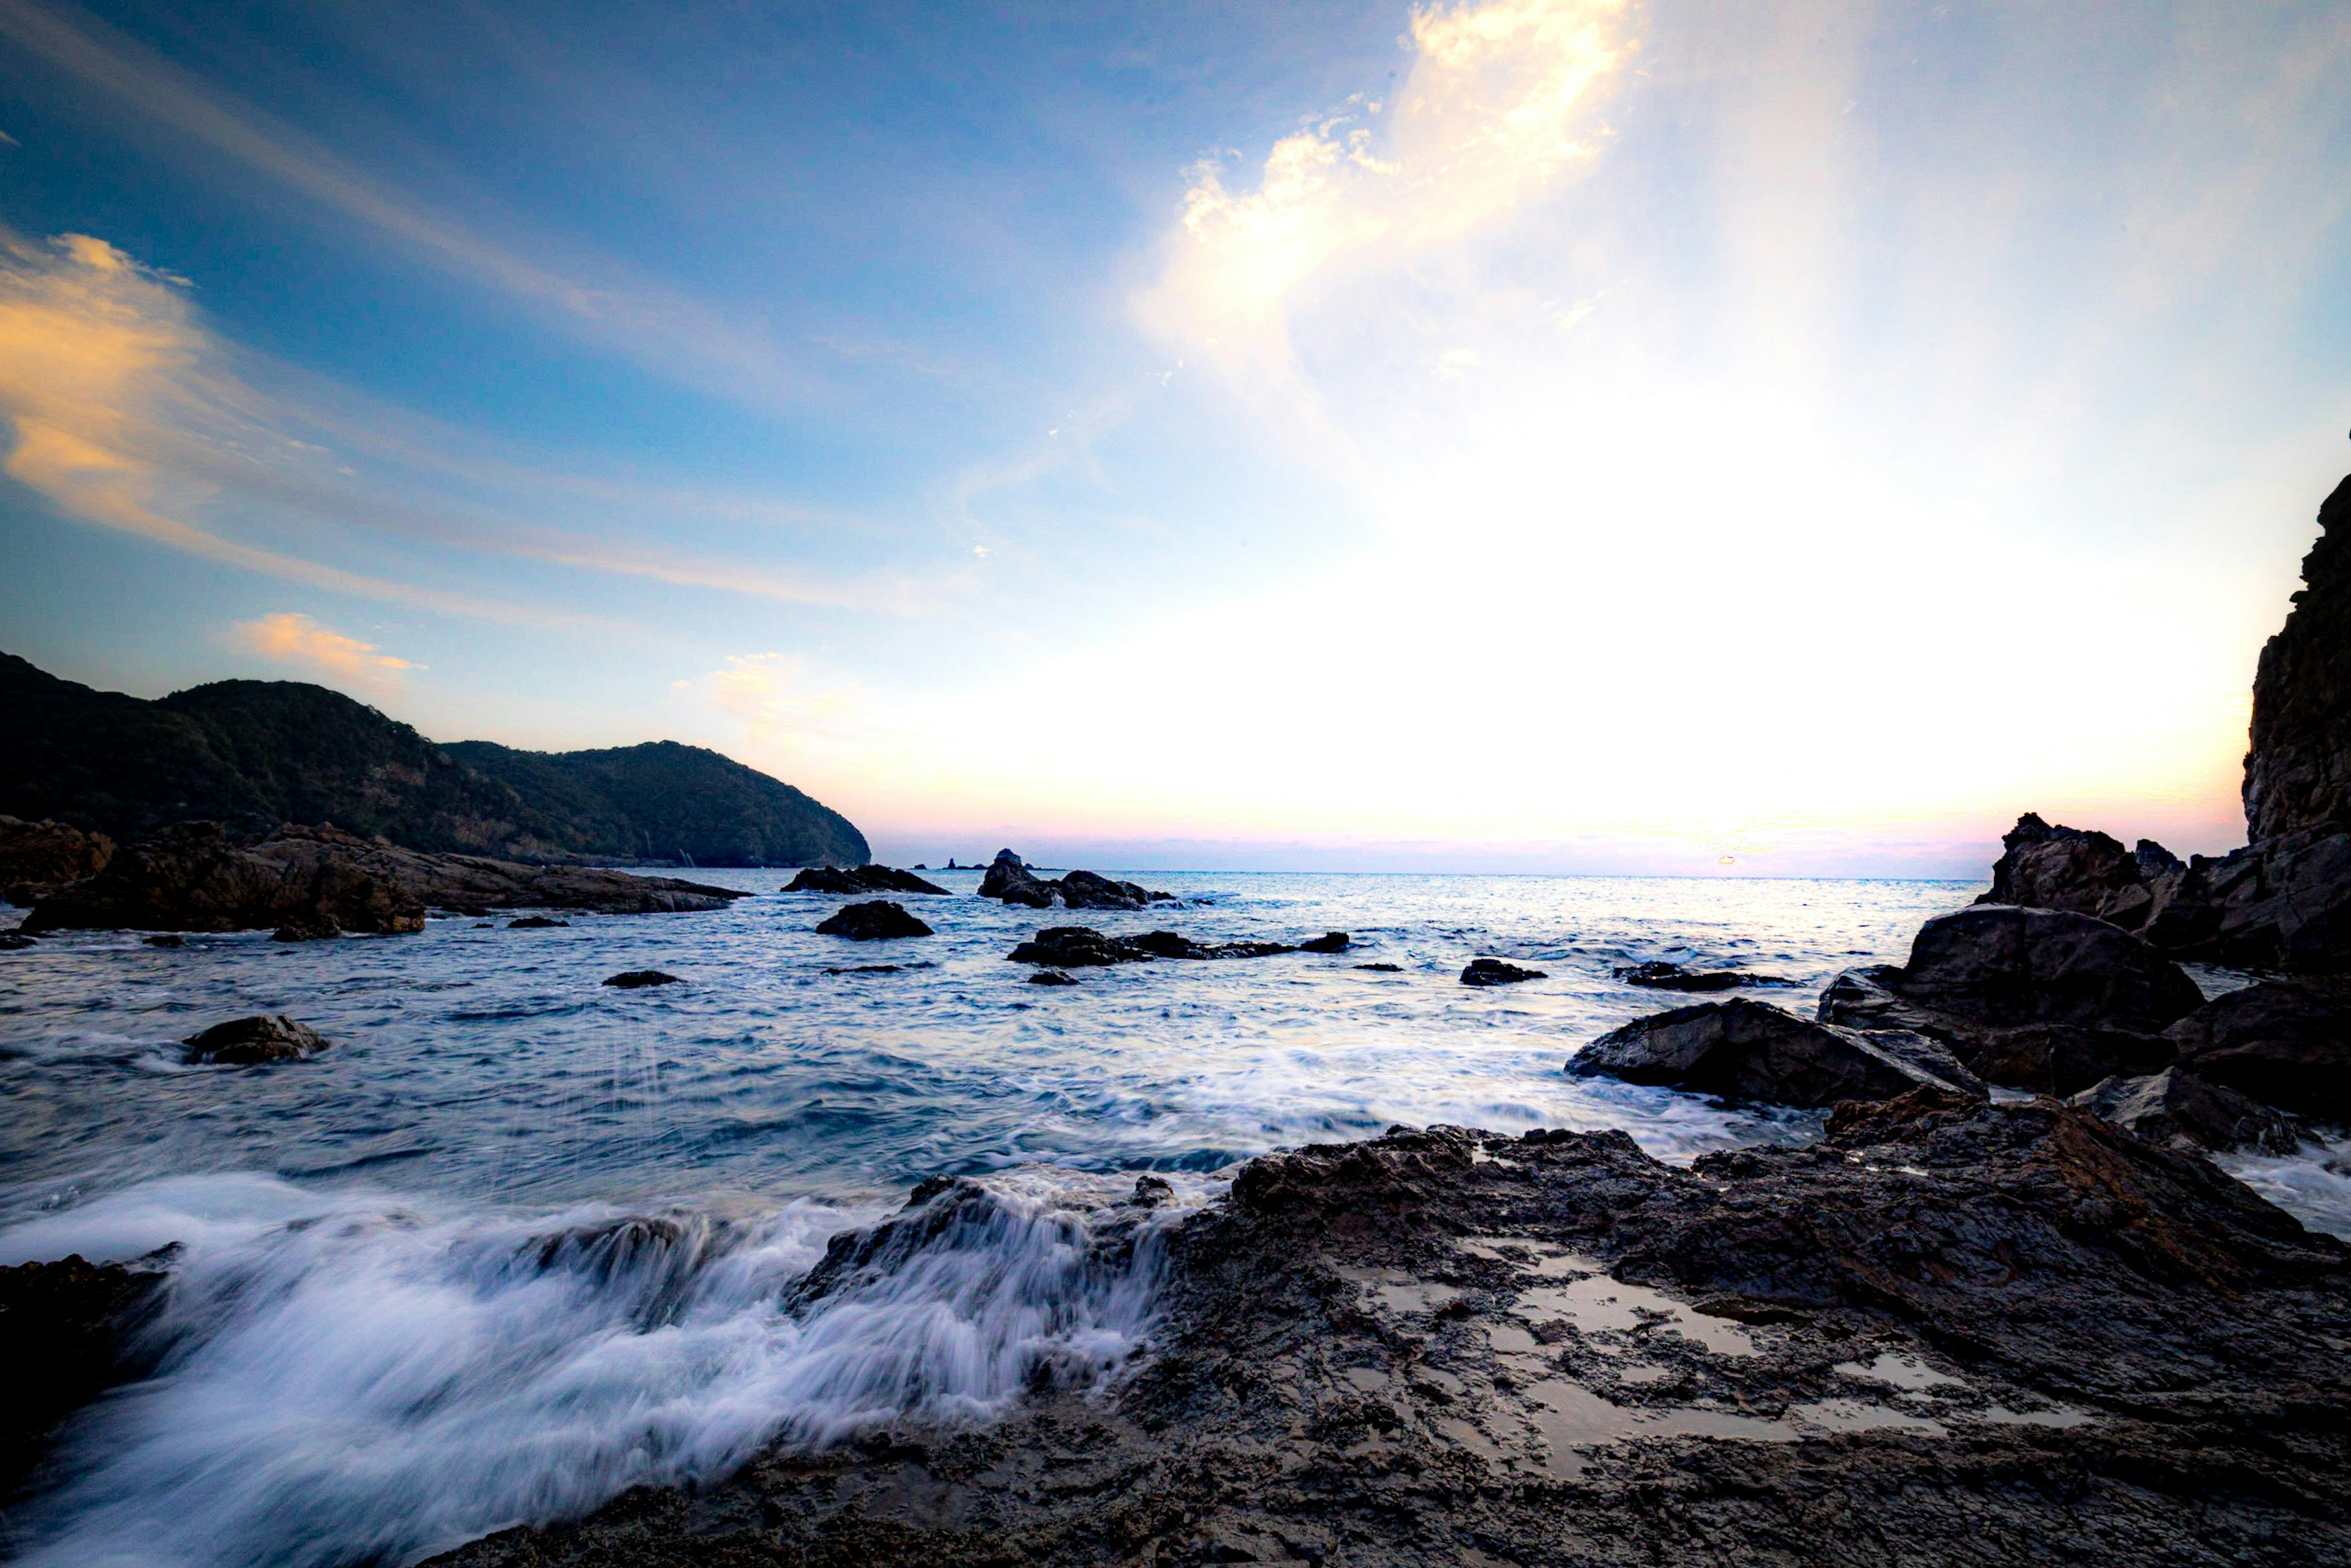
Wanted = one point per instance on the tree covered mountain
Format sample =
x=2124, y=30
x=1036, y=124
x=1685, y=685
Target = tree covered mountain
x=254, y=754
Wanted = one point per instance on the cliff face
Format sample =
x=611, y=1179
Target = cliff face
x=2298, y=771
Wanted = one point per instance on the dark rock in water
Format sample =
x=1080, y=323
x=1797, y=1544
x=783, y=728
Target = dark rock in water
x=861, y=879
x=871, y=969
x=2180, y=1111
x=638, y=979
x=2284, y=1042
x=1381, y=968
x=315, y=928
x=13, y=942
x=878, y=921
x=2048, y=1058
x=1329, y=942
x=167, y=939
x=1494, y=972
x=70, y=1327
x=1050, y=977
x=37, y=859
x=1082, y=947
x=196, y=877
x=1444, y=1346
x=243, y=1042
x=535, y=923
x=1751, y=1051
x=2002, y=965
x=2298, y=770
x=1664, y=976
x=1010, y=880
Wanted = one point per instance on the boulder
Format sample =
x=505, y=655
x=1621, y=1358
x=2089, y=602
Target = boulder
x=2045, y=867
x=165, y=939
x=1494, y=972
x=1009, y=879
x=2180, y=1111
x=2046, y=1058
x=877, y=921
x=2285, y=1042
x=1329, y=942
x=1663, y=976
x=1050, y=977
x=535, y=923
x=243, y=1042
x=861, y=879
x=13, y=942
x=1751, y=1051
x=2002, y=965
x=197, y=877
x=638, y=979
x=38, y=858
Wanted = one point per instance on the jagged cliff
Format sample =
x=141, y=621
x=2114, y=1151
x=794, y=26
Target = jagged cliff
x=2298, y=770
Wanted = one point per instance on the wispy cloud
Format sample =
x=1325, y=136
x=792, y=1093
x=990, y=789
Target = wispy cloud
x=291, y=638
x=660, y=328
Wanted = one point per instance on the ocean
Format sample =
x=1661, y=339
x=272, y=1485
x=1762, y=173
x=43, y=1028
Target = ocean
x=519, y=1240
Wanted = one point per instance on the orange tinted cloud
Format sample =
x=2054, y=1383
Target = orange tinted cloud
x=289, y=638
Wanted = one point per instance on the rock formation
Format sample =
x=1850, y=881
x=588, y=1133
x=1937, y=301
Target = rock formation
x=1010, y=879
x=2298, y=769
x=1084, y=948
x=639, y=979
x=1751, y=1051
x=2285, y=1042
x=38, y=858
x=877, y=921
x=1494, y=972
x=197, y=877
x=859, y=879
x=2177, y=1109
x=244, y=1042
x=1663, y=977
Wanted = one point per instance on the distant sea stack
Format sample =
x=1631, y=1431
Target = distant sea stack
x=252, y=755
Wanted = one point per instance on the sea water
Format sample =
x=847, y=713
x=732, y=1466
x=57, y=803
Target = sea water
x=519, y=1240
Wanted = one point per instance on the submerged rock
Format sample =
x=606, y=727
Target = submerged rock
x=1050, y=977
x=2284, y=1042
x=247, y=1041
x=638, y=979
x=861, y=879
x=165, y=939
x=1381, y=968
x=196, y=877
x=1751, y=1051
x=1660, y=976
x=2180, y=1111
x=878, y=921
x=1494, y=972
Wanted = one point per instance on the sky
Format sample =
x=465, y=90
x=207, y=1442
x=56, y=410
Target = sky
x=1528, y=435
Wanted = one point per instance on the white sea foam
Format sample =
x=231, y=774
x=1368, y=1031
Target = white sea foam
x=352, y=1378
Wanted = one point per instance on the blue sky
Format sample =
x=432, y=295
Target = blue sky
x=1542, y=434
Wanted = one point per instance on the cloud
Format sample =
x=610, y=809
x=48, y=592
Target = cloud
x=1502, y=98
x=664, y=331
x=289, y=638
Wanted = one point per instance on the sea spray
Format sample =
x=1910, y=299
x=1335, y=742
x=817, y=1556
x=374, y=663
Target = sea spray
x=348, y=1377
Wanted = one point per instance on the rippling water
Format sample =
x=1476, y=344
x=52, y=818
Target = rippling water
x=403, y=1314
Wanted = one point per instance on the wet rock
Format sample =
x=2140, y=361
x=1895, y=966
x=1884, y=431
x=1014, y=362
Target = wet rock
x=878, y=921
x=15, y=942
x=1381, y=968
x=1050, y=977
x=1009, y=879
x=313, y=928
x=1082, y=947
x=1494, y=972
x=2180, y=1111
x=638, y=979
x=37, y=859
x=165, y=939
x=1329, y=942
x=2047, y=1057
x=68, y=1326
x=1754, y=1051
x=535, y=923
x=243, y=1042
x=197, y=877
x=2284, y=1042
x=1663, y=976
x=861, y=879
x=2002, y=965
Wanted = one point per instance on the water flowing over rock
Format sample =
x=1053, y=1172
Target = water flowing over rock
x=2180, y=1111
x=861, y=879
x=248, y=1042
x=197, y=877
x=2285, y=1042
x=38, y=858
x=1010, y=880
x=1751, y=1051
x=878, y=921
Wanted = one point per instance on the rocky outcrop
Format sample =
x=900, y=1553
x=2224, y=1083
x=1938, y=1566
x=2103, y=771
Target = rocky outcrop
x=1084, y=948
x=2042, y=867
x=2284, y=1042
x=1660, y=975
x=249, y=1041
x=69, y=1327
x=1495, y=972
x=2180, y=1111
x=197, y=877
x=2298, y=768
x=1010, y=880
x=878, y=921
x=859, y=879
x=38, y=858
x=1954, y=1333
x=1753, y=1052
